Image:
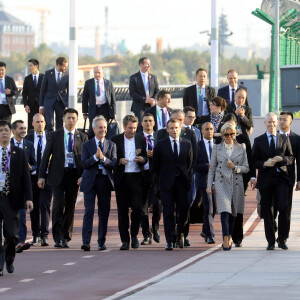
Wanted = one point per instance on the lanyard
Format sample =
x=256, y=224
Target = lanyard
x=148, y=142
x=200, y=93
x=159, y=120
x=66, y=142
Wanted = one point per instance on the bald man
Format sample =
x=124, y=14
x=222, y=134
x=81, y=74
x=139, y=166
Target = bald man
x=98, y=98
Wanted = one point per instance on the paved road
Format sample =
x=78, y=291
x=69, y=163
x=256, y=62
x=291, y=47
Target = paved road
x=49, y=273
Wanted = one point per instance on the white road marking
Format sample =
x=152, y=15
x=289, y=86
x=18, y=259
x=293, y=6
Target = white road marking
x=70, y=264
x=107, y=250
x=4, y=289
x=49, y=271
x=88, y=256
x=26, y=280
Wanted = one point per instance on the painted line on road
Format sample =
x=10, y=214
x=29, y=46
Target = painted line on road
x=105, y=251
x=88, y=256
x=159, y=277
x=4, y=289
x=26, y=280
x=70, y=263
x=50, y=271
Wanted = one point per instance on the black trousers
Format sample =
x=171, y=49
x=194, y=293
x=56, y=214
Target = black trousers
x=58, y=107
x=5, y=113
x=149, y=199
x=129, y=193
x=178, y=195
x=9, y=223
x=103, y=110
x=34, y=109
x=64, y=199
x=277, y=190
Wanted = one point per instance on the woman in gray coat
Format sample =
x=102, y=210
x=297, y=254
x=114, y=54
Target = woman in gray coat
x=225, y=179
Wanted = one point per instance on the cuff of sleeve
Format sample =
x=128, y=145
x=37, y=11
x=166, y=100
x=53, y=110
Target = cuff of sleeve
x=104, y=159
x=253, y=178
x=95, y=158
x=41, y=107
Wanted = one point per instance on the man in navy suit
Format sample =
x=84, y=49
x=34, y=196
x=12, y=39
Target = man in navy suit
x=8, y=89
x=54, y=94
x=172, y=163
x=98, y=98
x=31, y=91
x=201, y=168
x=143, y=88
x=99, y=158
x=19, y=131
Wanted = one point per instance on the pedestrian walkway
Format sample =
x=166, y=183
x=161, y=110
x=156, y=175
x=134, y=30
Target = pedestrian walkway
x=244, y=273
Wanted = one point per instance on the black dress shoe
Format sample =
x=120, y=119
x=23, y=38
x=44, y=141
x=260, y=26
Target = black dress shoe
x=209, y=240
x=270, y=247
x=134, y=242
x=156, y=236
x=1, y=272
x=125, y=246
x=86, y=247
x=101, y=246
x=187, y=243
x=58, y=244
x=180, y=240
x=169, y=246
x=202, y=234
x=44, y=242
x=282, y=245
x=10, y=268
x=65, y=244
x=22, y=247
x=147, y=240
x=238, y=244
x=35, y=241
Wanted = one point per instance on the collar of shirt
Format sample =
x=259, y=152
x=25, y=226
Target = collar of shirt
x=37, y=135
x=100, y=81
x=15, y=142
x=7, y=148
x=159, y=108
x=56, y=73
x=129, y=140
x=201, y=87
x=171, y=139
x=146, y=134
x=230, y=88
x=146, y=74
x=185, y=126
x=286, y=133
x=36, y=75
x=67, y=132
x=206, y=142
x=97, y=141
x=269, y=135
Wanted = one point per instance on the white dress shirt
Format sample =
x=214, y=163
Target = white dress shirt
x=145, y=77
x=56, y=74
x=205, y=110
x=151, y=140
x=230, y=91
x=285, y=133
x=130, y=154
x=16, y=143
x=66, y=149
x=104, y=172
x=102, y=98
x=36, y=141
x=207, y=147
x=3, y=95
x=172, y=144
x=36, y=76
x=159, y=119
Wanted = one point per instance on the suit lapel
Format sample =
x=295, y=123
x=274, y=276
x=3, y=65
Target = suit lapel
x=105, y=146
x=120, y=147
x=137, y=142
x=151, y=84
x=106, y=90
x=140, y=81
x=77, y=143
x=202, y=144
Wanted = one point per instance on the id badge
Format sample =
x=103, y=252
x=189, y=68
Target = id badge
x=70, y=158
x=2, y=181
x=239, y=130
x=100, y=166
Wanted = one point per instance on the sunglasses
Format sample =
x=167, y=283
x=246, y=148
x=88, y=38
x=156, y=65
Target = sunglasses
x=229, y=134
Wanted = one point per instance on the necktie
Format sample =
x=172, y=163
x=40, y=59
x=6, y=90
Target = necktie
x=209, y=149
x=70, y=142
x=58, y=78
x=175, y=149
x=34, y=80
x=39, y=152
x=1, y=86
x=200, y=103
x=272, y=147
x=150, y=141
x=163, y=118
x=100, y=144
x=98, y=89
x=18, y=144
x=232, y=94
x=5, y=189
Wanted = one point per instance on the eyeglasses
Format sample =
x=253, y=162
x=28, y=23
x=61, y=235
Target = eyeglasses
x=229, y=134
x=191, y=117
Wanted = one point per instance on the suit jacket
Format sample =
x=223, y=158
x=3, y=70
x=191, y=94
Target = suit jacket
x=246, y=123
x=89, y=98
x=55, y=148
x=28, y=148
x=138, y=94
x=140, y=143
x=261, y=153
x=186, y=133
x=167, y=167
x=50, y=90
x=31, y=93
x=10, y=84
x=90, y=166
x=152, y=110
x=224, y=93
x=20, y=182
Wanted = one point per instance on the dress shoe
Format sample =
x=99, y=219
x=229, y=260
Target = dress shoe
x=210, y=240
x=65, y=244
x=202, y=234
x=86, y=247
x=101, y=246
x=134, y=243
x=169, y=246
x=282, y=245
x=58, y=244
x=35, y=241
x=270, y=247
x=10, y=268
x=156, y=236
x=238, y=244
x=147, y=240
x=22, y=247
x=1, y=272
x=125, y=246
x=180, y=240
x=187, y=243
x=44, y=242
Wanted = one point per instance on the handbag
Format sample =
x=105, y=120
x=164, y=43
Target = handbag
x=112, y=129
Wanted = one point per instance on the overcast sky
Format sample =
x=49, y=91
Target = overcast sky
x=141, y=22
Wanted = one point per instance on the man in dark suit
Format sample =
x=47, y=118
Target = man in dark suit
x=15, y=190
x=8, y=89
x=285, y=121
x=31, y=91
x=227, y=92
x=149, y=199
x=99, y=158
x=131, y=157
x=172, y=162
x=201, y=168
x=98, y=98
x=143, y=88
x=271, y=154
x=40, y=215
x=64, y=175
x=19, y=131
x=161, y=111
x=199, y=95
x=242, y=112
x=54, y=94
x=189, y=119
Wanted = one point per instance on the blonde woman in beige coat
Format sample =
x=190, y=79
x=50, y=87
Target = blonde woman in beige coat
x=225, y=179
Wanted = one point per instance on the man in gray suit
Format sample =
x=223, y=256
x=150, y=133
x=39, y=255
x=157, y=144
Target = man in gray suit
x=54, y=94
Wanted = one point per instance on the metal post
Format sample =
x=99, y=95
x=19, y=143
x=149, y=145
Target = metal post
x=214, y=45
x=73, y=56
x=276, y=69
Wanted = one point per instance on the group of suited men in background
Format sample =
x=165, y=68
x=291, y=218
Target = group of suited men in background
x=164, y=160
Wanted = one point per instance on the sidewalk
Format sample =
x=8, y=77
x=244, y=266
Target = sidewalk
x=249, y=272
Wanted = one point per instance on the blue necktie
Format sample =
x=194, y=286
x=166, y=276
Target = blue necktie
x=101, y=146
x=163, y=119
x=39, y=152
x=70, y=142
x=34, y=81
x=58, y=78
x=98, y=89
x=1, y=86
x=209, y=149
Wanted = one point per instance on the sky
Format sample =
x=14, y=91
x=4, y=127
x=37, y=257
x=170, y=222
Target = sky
x=140, y=22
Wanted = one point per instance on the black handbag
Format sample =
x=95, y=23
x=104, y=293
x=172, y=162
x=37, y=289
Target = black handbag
x=84, y=130
x=112, y=129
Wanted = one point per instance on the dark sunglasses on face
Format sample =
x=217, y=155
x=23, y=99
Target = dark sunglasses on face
x=229, y=134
